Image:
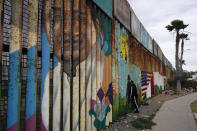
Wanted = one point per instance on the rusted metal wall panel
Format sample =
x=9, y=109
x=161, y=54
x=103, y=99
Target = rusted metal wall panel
x=136, y=28
x=105, y=5
x=83, y=69
x=122, y=12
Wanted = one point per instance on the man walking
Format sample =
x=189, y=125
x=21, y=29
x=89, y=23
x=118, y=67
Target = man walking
x=132, y=93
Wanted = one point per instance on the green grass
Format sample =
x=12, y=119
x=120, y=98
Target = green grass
x=144, y=123
x=144, y=103
x=193, y=106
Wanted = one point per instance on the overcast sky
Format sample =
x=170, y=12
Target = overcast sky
x=156, y=14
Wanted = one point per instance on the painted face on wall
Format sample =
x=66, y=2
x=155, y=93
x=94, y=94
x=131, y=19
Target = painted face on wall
x=85, y=47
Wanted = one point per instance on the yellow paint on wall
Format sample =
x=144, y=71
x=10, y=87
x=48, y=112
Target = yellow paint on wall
x=124, y=46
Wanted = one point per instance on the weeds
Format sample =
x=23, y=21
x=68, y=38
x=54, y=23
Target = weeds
x=144, y=123
x=193, y=106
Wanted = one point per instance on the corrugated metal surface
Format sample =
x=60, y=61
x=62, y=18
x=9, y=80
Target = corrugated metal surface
x=122, y=12
x=136, y=27
x=106, y=6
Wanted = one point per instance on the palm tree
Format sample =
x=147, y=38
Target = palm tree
x=183, y=37
x=177, y=26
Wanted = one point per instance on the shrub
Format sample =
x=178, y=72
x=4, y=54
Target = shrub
x=157, y=90
x=144, y=123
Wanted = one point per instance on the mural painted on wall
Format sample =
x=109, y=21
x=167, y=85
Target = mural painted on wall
x=100, y=109
x=94, y=54
x=135, y=74
x=124, y=46
x=13, y=82
x=90, y=80
x=146, y=79
x=122, y=60
x=106, y=6
x=115, y=71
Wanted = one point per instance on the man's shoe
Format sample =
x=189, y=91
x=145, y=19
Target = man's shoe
x=136, y=112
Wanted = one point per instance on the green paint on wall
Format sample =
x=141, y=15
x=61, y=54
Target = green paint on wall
x=105, y=5
x=115, y=107
x=104, y=33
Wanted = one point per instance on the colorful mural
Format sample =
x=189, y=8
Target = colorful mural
x=65, y=64
x=31, y=68
x=14, y=84
x=100, y=110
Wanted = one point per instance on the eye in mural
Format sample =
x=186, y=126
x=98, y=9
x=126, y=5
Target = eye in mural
x=124, y=46
x=93, y=55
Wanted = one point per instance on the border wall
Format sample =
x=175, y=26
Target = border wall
x=64, y=63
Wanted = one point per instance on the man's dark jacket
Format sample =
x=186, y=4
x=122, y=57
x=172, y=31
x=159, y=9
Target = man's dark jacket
x=134, y=90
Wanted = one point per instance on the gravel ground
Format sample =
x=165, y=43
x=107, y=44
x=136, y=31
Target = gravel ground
x=124, y=122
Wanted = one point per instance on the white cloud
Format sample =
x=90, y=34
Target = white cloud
x=155, y=15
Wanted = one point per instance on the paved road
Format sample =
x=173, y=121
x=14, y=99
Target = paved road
x=176, y=115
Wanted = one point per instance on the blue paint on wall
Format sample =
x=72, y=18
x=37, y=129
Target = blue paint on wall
x=135, y=74
x=31, y=82
x=13, y=89
x=45, y=60
x=122, y=68
x=55, y=62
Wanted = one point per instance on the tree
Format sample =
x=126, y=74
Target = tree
x=177, y=26
x=183, y=37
